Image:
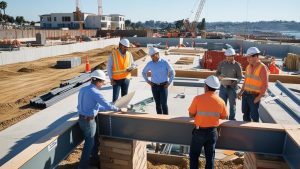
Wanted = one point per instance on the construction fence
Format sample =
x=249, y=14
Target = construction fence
x=30, y=54
x=56, y=34
x=50, y=34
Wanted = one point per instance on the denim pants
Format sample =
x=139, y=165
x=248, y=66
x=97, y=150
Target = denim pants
x=206, y=138
x=90, y=147
x=229, y=93
x=249, y=109
x=122, y=84
x=160, y=95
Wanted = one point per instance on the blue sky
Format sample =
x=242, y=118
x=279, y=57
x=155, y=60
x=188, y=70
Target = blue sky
x=165, y=10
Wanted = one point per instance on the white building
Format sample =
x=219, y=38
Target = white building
x=106, y=22
x=90, y=21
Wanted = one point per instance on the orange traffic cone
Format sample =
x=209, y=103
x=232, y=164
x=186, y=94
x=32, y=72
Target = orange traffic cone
x=167, y=47
x=87, y=65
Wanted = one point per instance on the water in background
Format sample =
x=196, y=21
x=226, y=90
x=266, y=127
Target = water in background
x=292, y=33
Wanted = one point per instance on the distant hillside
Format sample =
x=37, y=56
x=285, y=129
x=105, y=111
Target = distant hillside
x=242, y=27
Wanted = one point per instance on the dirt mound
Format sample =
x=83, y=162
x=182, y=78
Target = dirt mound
x=26, y=70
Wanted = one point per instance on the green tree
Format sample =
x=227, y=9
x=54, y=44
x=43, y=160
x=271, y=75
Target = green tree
x=20, y=20
x=3, y=6
x=179, y=24
x=127, y=23
x=202, y=26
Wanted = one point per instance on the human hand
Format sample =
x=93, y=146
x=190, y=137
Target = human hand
x=129, y=69
x=112, y=82
x=166, y=85
x=240, y=95
x=256, y=100
x=124, y=110
x=150, y=83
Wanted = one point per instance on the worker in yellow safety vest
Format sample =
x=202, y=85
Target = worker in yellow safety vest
x=255, y=85
x=120, y=65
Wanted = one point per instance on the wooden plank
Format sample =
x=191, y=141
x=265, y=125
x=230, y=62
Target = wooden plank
x=115, y=156
x=115, y=150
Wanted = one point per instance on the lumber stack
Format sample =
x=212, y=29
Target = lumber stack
x=292, y=61
x=185, y=60
x=255, y=161
x=122, y=153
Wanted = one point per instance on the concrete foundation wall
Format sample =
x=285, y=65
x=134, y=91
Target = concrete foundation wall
x=276, y=50
x=30, y=54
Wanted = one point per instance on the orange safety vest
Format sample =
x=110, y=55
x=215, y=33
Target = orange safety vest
x=120, y=65
x=206, y=114
x=253, y=82
x=273, y=69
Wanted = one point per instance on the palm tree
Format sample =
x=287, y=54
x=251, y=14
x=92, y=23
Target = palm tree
x=3, y=6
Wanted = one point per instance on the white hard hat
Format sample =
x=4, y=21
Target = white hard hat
x=99, y=74
x=252, y=51
x=125, y=42
x=230, y=52
x=152, y=51
x=213, y=82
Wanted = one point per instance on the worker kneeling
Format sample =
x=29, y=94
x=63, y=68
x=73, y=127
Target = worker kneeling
x=207, y=109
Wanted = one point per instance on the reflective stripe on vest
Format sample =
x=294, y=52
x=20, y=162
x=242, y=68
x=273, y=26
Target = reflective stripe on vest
x=253, y=82
x=212, y=114
x=207, y=119
x=120, y=65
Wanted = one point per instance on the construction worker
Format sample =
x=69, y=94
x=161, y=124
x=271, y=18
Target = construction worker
x=160, y=70
x=207, y=109
x=90, y=102
x=272, y=66
x=120, y=65
x=229, y=68
x=255, y=85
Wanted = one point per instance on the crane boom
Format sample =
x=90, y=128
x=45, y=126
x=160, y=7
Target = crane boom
x=199, y=10
x=100, y=10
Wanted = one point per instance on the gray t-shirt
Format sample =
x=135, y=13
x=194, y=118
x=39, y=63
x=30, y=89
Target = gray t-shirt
x=227, y=69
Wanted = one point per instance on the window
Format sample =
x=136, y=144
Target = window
x=103, y=18
x=54, y=19
x=66, y=19
x=49, y=19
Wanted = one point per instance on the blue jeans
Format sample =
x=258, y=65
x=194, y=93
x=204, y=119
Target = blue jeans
x=249, y=109
x=207, y=138
x=91, y=143
x=122, y=84
x=160, y=95
x=229, y=93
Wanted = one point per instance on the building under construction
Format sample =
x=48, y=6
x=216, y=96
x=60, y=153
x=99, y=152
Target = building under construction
x=47, y=79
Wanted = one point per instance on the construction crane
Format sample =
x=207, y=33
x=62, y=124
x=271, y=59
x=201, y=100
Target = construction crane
x=100, y=10
x=191, y=26
x=78, y=15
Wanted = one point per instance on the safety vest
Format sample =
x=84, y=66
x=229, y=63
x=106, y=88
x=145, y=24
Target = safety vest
x=120, y=65
x=253, y=82
x=210, y=109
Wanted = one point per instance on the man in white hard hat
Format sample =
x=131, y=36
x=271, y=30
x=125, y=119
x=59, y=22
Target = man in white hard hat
x=120, y=65
x=160, y=71
x=230, y=73
x=255, y=85
x=206, y=109
x=90, y=102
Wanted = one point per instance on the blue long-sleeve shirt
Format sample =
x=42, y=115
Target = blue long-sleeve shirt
x=110, y=64
x=159, y=71
x=91, y=101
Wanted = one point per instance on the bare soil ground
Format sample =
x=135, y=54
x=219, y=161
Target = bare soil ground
x=72, y=161
x=21, y=82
